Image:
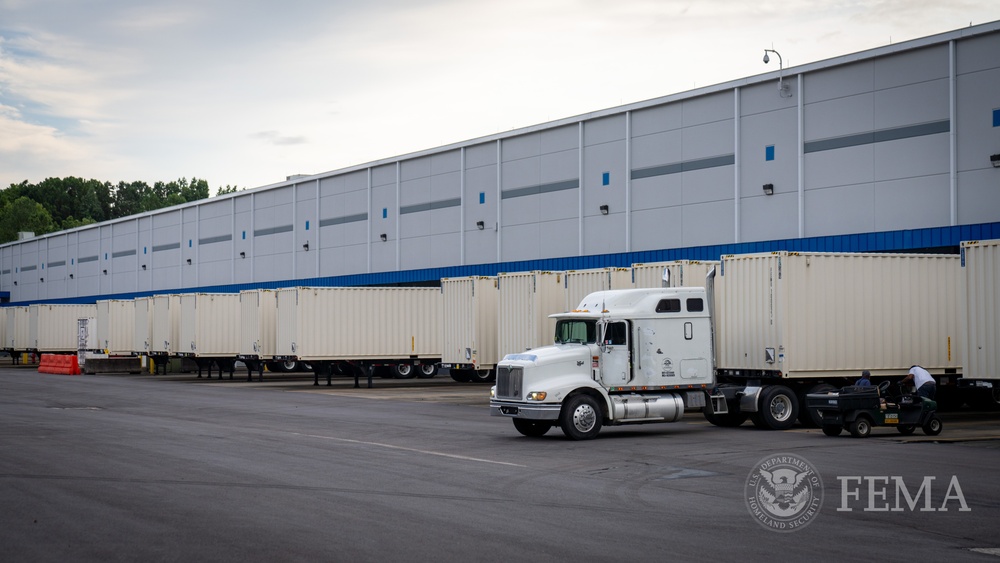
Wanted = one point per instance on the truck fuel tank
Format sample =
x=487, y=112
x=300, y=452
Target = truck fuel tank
x=668, y=407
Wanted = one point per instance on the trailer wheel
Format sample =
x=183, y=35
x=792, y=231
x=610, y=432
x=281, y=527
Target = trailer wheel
x=404, y=371
x=531, y=428
x=580, y=418
x=906, y=429
x=983, y=399
x=460, y=375
x=482, y=375
x=778, y=409
x=861, y=427
x=427, y=371
x=933, y=426
x=832, y=429
x=731, y=419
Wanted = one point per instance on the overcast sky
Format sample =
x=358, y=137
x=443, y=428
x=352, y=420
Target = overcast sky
x=247, y=92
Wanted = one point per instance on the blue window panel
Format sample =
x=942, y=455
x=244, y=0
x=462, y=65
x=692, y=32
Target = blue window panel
x=606, y=179
x=307, y=225
x=189, y=243
x=482, y=198
x=244, y=235
x=769, y=152
x=385, y=213
x=72, y=261
x=996, y=117
x=144, y=250
x=105, y=255
x=43, y=265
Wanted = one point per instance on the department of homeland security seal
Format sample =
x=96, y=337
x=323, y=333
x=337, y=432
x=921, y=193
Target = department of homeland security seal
x=784, y=492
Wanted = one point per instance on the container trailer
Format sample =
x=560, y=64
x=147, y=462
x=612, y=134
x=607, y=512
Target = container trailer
x=347, y=329
x=209, y=330
x=469, y=327
x=980, y=280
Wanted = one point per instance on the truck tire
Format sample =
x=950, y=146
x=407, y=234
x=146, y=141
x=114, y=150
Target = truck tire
x=460, y=375
x=778, y=409
x=532, y=428
x=427, y=371
x=482, y=375
x=933, y=426
x=580, y=418
x=404, y=371
x=731, y=419
x=982, y=399
x=809, y=417
x=861, y=427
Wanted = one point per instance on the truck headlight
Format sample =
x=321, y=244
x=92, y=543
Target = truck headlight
x=536, y=396
x=493, y=392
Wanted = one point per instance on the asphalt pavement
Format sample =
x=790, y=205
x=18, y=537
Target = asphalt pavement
x=173, y=468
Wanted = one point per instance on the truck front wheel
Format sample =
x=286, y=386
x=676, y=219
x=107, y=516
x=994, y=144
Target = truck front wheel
x=531, y=428
x=580, y=418
x=778, y=408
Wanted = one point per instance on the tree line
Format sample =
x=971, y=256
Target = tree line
x=56, y=204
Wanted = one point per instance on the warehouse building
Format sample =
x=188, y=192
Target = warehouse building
x=892, y=149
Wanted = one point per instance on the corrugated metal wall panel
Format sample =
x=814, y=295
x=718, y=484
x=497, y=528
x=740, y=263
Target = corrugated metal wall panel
x=981, y=308
x=116, y=326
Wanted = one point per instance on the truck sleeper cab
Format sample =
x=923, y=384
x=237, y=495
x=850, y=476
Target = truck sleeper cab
x=622, y=357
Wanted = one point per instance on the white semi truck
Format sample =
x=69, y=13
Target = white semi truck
x=627, y=356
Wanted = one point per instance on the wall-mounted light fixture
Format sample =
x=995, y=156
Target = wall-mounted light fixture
x=189, y=260
x=995, y=160
x=143, y=266
x=41, y=280
x=782, y=87
x=768, y=189
x=15, y=282
x=243, y=254
x=71, y=276
x=306, y=246
x=480, y=225
x=105, y=272
x=383, y=237
x=604, y=209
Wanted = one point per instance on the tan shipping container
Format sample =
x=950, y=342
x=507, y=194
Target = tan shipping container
x=57, y=326
x=683, y=273
x=143, y=325
x=981, y=308
x=469, y=327
x=526, y=301
x=581, y=283
x=258, y=323
x=165, y=315
x=116, y=326
x=826, y=314
x=18, y=330
x=209, y=325
x=359, y=323
x=3, y=328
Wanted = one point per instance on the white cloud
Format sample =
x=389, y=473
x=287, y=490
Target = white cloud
x=248, y=92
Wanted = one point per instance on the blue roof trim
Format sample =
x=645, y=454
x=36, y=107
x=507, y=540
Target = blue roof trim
x=888, y=241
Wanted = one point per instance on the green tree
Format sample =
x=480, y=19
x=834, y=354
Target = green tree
x=227, y=189
x=24, y=214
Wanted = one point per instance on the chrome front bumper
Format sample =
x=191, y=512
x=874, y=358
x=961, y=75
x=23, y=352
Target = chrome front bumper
x=519, y=409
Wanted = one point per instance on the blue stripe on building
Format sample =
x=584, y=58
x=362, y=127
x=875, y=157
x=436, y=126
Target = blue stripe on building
x=888, y=241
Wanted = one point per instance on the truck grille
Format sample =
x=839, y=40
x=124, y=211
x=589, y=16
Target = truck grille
x=509, y=382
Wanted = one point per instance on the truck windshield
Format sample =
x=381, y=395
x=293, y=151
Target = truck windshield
x=576, y=331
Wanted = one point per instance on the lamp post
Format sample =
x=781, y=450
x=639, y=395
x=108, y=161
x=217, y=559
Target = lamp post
x=782, y=87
